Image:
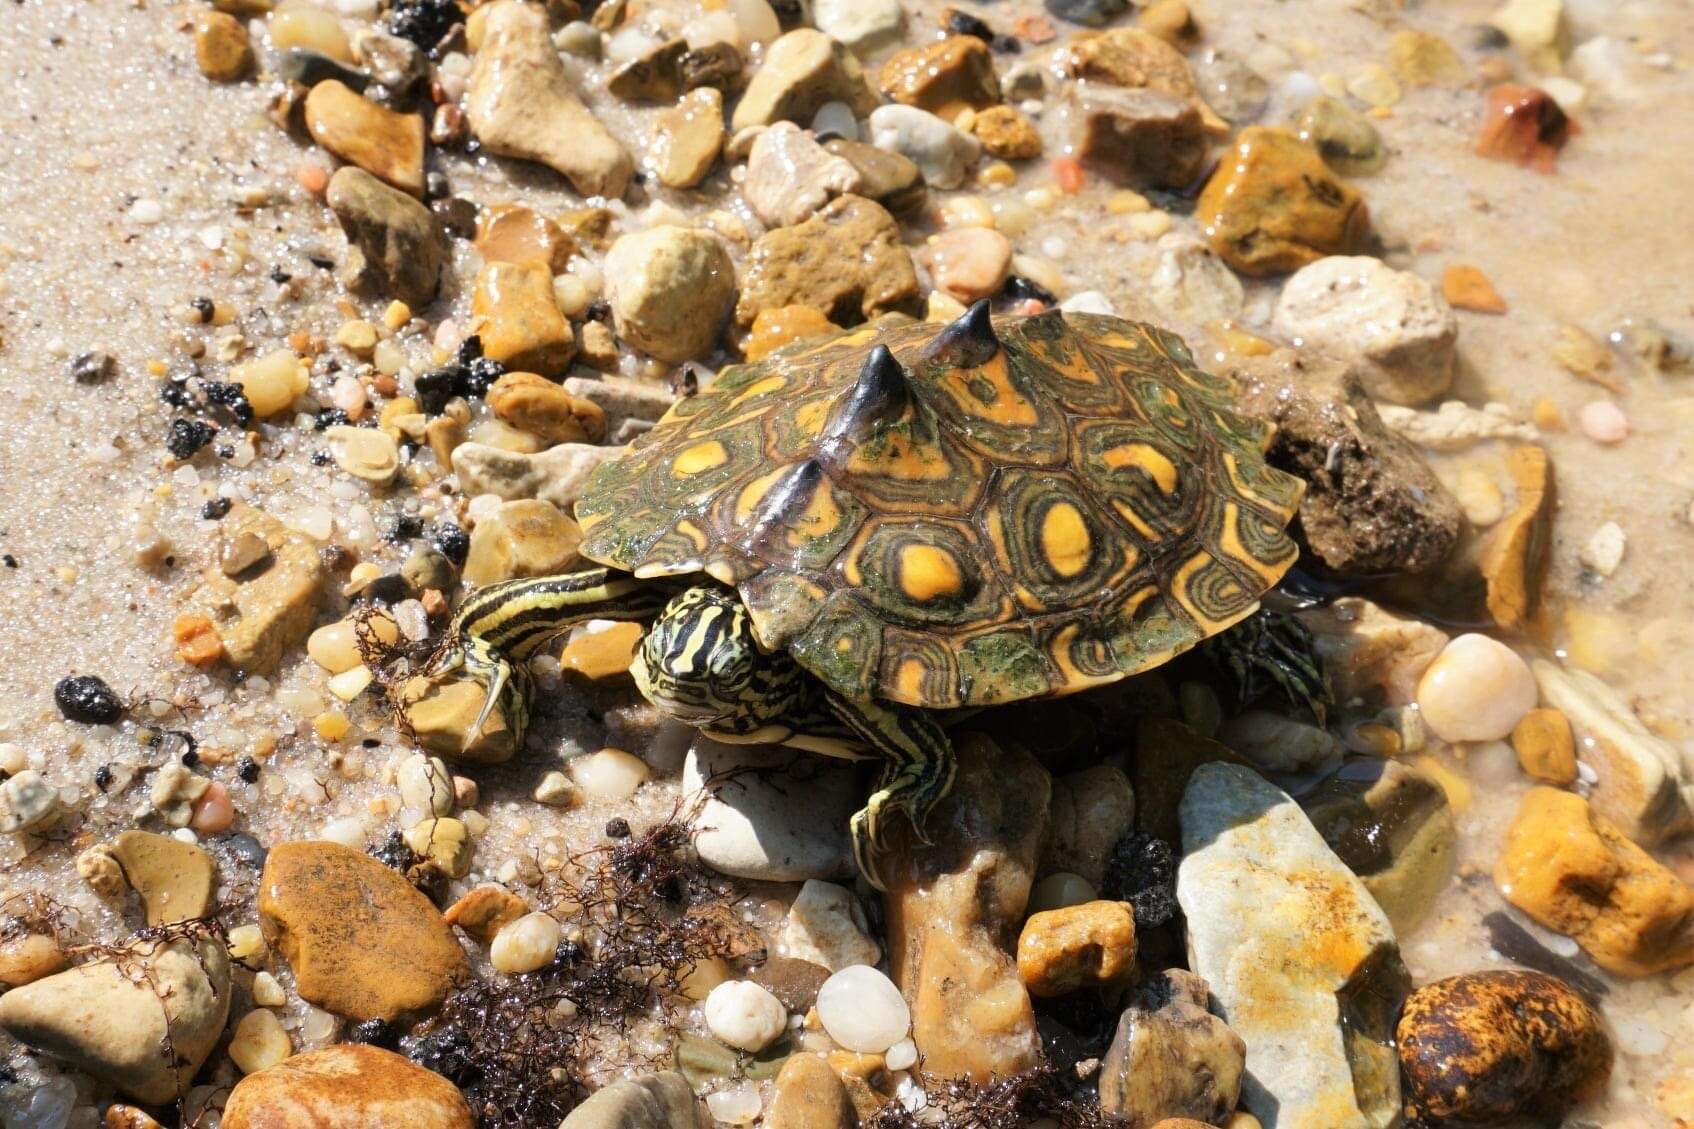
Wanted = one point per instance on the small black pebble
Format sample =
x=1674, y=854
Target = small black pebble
x=322, y=458
x=247, y=769
x=88, y=368
x=406, y=527
x=280, y=276
x=568, y=952
x=177, y=395
x=598, y=310
x=393, y=852
x=9, y=561
x=187, y=436
x=87, y=699
x=424, y=22
x=617, y=828
x=229, y=396
x=328, y=418
x=1006, y=44
x=204, y=309
x=447, y=1050
x=1018, y=288
x=216, y=509
x=103, y=777
x=190, y=758
x=963, y=23
x=1142, y=872
x=374, y=1033
x=436, y=185
x=453, y=542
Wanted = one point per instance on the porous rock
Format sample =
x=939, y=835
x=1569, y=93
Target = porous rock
x=264, y=613
x=671, y=289
x=1170, y=1057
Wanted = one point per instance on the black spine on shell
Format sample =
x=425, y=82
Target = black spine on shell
x=968, y=340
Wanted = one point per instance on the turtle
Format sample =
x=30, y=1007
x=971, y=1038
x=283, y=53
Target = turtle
x=843, y=544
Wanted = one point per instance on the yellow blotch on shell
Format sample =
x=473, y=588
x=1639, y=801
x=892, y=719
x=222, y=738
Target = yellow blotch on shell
x=760, y=387
x=1148, y=458
x=929, y=573
x=908, y=679
x=700, y=458
x=810, y=418
x=1065, y=543
x=747, y=502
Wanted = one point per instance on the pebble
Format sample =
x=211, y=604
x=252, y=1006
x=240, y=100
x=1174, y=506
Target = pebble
x=687, y=139
x=425, y=785
x=394, y=245
x=945, y=76
x=526, y=944
x=802, y=71
x=513, y=312
x=970, y=263
x=1088, y=13
x=1394, y=326
x=522, y=104
x=790, y=175
x=344, y=1085
x=1537, y=28
x=364, y=452
x=1345, y=138
x=1171, y=1058
x=271, y=383
x=221, y=47
x=1545, y=747
x=744, y=1015
x=555, y=475
x=1007, y=133
x=1059, y=889
x=484, y=911
x=941, y=152
x=655, y=75
x=26, y=957
x=774, y=329
x=610, y=774
x=1604, y=422
x=1524, y=125
x=28, y=803
x=808, y=1094
x=1273, y=206
x=176, y=880
x=386, y=144
x=261, y=617
x=826, y=926
x=1477, y=689
x=308, y=27
x=511, y=233
x=753, y=830
x=671, y=289
x=535, y=404
x=259, y=1041
x=860, y=24
x=862, y=1010
x=1603, y=551
x=1091, y=945
x=736, y=1105
x=443, y=840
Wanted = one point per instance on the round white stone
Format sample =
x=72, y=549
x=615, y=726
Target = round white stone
x=738, y=1105
x=610, y=774
x=1477, y=689
x=744, y=1015
x=862, y=1010
x=525, y=945
x=901, y=1056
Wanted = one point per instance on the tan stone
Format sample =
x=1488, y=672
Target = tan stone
x=27, y=957
x=1465, y=287
x=1170, y=20
x=441, y=717
x=869, y=1086
x=1570, y=869
x=606, y=651
x=482, y=911
x=1273, y=205
x=671, y=289
x=120, y=1116
x=176, y=880
x=687, y=139
x=1083, y=946
x=943, y=77
x=1513, y=555
x=394, y=244
x=1369, y=653
x=535, y=404
x=1130, y=57
x=265, y=612
x=1137, y=134
x=221, y=47
x=1545, y=747
x=511, y=233
x=773, y=329
x=387, y=144
x=809, y=1095
x=1419, y=58
x=1171, y=1058
x=846, y=262
x=518, y=320
x=523, y=538
x=361, y=940
x=802, y=70
x=953, y=907
x=348, y=1086
x=1007, y=133
x=653, y=76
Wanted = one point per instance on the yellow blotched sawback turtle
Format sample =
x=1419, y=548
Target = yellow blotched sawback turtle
x=908, y=518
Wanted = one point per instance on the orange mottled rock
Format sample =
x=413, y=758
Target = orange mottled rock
x=1523, y=124
x=348, y=1086
x=1007, y=133
x=1467, y=288
x=943, y=77
x=535, y=404
x=1545, y=747
x=514, y=234
x=482, y=911
x=1087, y=945
x=197, y=641
x=1273, y=206
x=518, y=319
x=1572, y=871
x=1513, y=556
x=772, y=329
x=361, y=940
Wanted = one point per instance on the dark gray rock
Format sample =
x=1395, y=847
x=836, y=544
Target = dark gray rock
x=1088, y=13
x=394, y=244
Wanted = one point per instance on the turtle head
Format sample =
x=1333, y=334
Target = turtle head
x=701, y=663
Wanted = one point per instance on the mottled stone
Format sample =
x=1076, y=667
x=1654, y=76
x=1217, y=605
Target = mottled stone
x=1273, y=205
x=221, y=47
x=555, y=475
x=1007, y=133
x=348, y=1086
x=1091, y=945
x=944, y=76
x=528, y=537
x=802, y=70
x=1171, y=1058
x=790, y=176
x=535, y=404
x=846, y=262
x=394, y=244
x=385, y=143
x=647, y=1101
x=809, y=1095
x=687, y=139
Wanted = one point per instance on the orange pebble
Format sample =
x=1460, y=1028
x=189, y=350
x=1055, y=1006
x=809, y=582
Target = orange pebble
x=1468, y=288
x=1068, y=172
x=197, y=640
x=313, y=178
x=213, y=812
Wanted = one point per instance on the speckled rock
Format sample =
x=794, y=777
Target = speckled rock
x=348, y=1086
x=361, y=941
x=750, y=829
x=647, y=1101
x=395, y=247
x=944, y=76
x=521, y=104
x=1570, y=869
x=671, y=289
x=528, y=537
x=687, y=139
x=809, y=1095
x=790, y=176
x=1007, y=133
x=1091, y=945
x=259, y=616
x=555, y=475
x=1318, y=944
x=142, y=1022
x=1485, y=1047
x=1170, y=1057
x=1393, y=326
x=387, y=144
x=513, y=311
x=1273, y=206
x=1192, y=283
x=802, y=70
x=953, y=909
x=846, y=262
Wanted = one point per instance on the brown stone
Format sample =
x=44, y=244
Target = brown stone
x=604, y=652
x=221, y=47
x=482, y=911
x=528, y=537
x=846, y=262
x=953, y=908
x=1091, y=945
x=1545, y=747
x=511, y=233
x=1513, y=556
x=1465, y=287
x=892, y=180
x=1369, y=653
x=515, y=314
x=1170, y=20
x=793, y=981
x=1007, y=133
x=1130, y=57
x=361, y=940
x=943, y=77
x=869, y=1085
x=27, y=957
x=1273, y=205
x=264, y=613
x=801, y=71
x=1170, y=1058
x=1166, y=754
x=395, y=247
x=441, y=717
x=1137, y=134
x=809, y=1095
x=687, y=139
x=387, y=144
x=535, y=404
x=1571, y=870
x=176, y=880
x=1524, y=125
x=653, y=76
x=347, y=1086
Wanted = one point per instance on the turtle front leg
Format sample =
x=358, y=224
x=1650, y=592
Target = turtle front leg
x=498, y=627
x=918, y=772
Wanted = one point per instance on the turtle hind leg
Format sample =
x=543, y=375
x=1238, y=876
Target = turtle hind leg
x=917, y=773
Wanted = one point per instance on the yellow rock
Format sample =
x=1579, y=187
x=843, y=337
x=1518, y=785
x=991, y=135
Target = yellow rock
x=345, y=1085
x=528, y=537
x=27, y=957
x=386, y=144
x=482, y=911
x=259, y=617
x=1573, y=872
x=535, y=404
x=304, y=24
x=514, y=234
x=1418, y=58
x=772, y=329
x=519, y=321
x=221, y=47
x=441, y=716
x=687, y=139
x=602, y=651
x=1273, y=206
x=176, y=880
x=943, y=77
x=1545, y=747
x=1091, y=945
x=271, y=382
x=1006, y=132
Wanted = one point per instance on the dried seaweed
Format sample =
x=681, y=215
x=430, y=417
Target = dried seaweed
x=1044, y=1094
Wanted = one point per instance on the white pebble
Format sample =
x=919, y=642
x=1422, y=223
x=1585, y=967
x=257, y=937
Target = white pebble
x=259, y=1041
x=1604, y=422
x=738, y=1105
x=836, y=118
x=146, y=210
x=1477, y=689
x=1087, y=302
x=426, y=787
x=744, y=1015
x=901, y=1056
x=1604, y=549
x=348, y=832
x=610, y=774
x=526, y=944
x=862, y=1010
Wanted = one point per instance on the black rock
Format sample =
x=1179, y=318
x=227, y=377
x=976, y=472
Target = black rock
x=960, y=22
x=451, y=540
x=424, y=22
x=1142, y=872
x=186, y=436
x=448, y=1051
x=1018, y=288
x=87, y=699
x=374, y=1033
x=1088, y=13
x=91, y=368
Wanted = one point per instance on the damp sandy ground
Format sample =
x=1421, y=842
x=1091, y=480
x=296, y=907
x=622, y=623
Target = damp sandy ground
x=103, y=107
